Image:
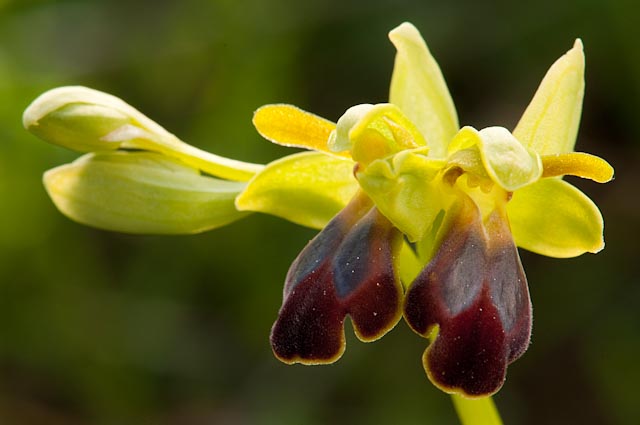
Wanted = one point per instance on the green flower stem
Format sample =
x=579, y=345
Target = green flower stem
x=476, y=411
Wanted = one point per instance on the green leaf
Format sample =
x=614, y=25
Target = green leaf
x=419, y=89
x=550, y=123
x=553, y=218
x=141, y=192
x=307, y=188
x=404, y=190
x=88, y=120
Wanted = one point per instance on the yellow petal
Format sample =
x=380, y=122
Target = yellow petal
x=419, y=90
x=307, y=188
x=549, y=125
x=553, y=218
x=577, y=164
x=288, y=125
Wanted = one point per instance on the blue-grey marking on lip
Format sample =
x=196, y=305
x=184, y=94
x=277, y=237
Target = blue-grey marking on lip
x=353, y=257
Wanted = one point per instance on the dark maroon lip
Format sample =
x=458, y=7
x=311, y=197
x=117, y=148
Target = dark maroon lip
x=474, y=293
x=347, y=269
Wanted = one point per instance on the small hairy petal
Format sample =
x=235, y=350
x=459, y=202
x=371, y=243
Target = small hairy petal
x=473, y=296
x=346, y=269
x=578, y=164
x=289, y=125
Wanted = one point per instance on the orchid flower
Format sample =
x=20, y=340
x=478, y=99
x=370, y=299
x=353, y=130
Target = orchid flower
x=464, y=199
x=420, y=218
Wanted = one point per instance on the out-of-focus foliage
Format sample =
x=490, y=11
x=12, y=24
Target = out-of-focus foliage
x=102, y=328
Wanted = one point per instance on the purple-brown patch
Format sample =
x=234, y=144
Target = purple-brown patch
x=346, y=269
x=474, y=293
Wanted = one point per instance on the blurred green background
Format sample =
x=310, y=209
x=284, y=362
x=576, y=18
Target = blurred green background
x=105, y=328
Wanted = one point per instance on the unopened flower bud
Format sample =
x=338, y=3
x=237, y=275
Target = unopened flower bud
x=78, y=118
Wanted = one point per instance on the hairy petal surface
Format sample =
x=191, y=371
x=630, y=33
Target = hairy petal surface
x=553, y=218
x=419, y=89
x=307, y=188
x=289, y=125
x=578, y=164
x=347, y=269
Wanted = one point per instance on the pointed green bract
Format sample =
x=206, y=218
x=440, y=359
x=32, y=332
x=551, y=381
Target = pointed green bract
x=403, y=190
x=553, y=218
x=419, y=90
x=88, y=120
x=550, y=123
x=307, y=188
x=141, y=192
